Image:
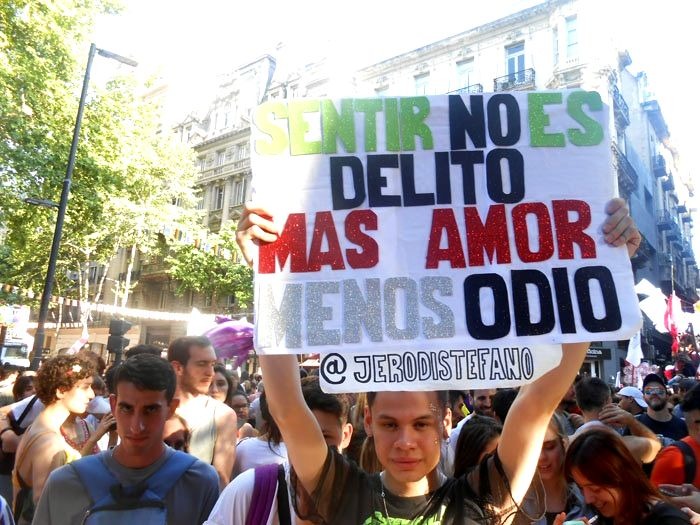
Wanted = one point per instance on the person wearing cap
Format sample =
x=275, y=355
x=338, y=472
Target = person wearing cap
x=658, y=417
x=684, y=386
x=632, y=400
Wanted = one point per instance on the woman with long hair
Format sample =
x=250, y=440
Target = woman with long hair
x=479, y=438
x=221, y=387
x=64, y=386
x=613, y=482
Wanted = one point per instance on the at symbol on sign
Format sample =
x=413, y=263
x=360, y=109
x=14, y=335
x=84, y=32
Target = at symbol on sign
x=333, y=366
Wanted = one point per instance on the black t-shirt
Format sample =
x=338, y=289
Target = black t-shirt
x=665, y=514
x=346, y=495
x=674, y=428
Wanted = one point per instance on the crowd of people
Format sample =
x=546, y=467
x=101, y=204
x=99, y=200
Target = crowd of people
x=177, y=437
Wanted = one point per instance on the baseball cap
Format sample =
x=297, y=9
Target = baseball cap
x=635, y=394
x=653, y=378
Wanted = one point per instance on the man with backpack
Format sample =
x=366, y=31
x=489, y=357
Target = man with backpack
x=677, y=463
x=141, y=480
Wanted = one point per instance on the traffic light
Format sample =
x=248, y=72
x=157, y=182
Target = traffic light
x=116, y=342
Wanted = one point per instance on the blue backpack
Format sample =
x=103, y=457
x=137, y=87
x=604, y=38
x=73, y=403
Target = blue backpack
x=143, y=503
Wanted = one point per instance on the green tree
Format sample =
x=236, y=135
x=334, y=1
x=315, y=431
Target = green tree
x=214, y=275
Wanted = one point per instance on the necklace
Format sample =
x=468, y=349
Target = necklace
x=381, y=484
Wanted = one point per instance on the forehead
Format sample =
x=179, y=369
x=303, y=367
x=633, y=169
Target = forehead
x=405, y=405
x=239, y=399
x=202, y=353
x=129, y=393
x=220, y=377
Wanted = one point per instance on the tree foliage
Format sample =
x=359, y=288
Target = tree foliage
x=213, y=275
x=127, y=176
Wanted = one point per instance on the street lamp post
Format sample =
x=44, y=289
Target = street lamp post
x=39, y=336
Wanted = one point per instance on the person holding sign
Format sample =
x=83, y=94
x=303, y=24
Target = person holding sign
x=408, y=428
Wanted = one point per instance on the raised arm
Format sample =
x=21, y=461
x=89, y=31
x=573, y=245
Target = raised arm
x=302, y=436
x=527, y=420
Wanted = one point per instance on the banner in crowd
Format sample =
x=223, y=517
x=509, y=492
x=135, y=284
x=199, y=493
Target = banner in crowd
x=438, y=224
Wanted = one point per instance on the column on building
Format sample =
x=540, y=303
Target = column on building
x=227, y=199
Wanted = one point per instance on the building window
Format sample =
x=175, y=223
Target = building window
x=421, y=83
x=515, y=62
x=218, y=197
x=220, y=157
x=555, y=45
x=648, y=201
x=202, y=163
x=200, y=204
x=571, y=38
x=465, y=70
x=238, y=191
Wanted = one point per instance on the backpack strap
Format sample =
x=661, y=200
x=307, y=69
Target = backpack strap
x=96, y=478
x=164, y=479
x=263, y=495
x=282, y=497
x=688, y=460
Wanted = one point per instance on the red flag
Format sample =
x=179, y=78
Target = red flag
x=673, y=305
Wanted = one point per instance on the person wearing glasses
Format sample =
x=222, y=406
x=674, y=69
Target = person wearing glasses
x=658, y=417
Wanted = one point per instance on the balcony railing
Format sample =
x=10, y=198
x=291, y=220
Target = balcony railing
x=474, y=88
x=620, y=108
x=659, y=166
x=666, y=222
x=627, y=176
x=687, y=251
x=667, y=183
x=524, y=79
x=225, y=169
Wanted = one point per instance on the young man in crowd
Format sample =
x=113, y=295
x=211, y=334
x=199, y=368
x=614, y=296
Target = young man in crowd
x=331, y=413
x=673, y=461
x=408, y=428
x=213, y=426
x=594, y=400
x=632, y=400
x=657, y=417
x=143, y=401
x=482, y=401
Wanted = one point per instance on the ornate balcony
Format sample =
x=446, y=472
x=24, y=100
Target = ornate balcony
x=627, y=177
x=520, y=80
x=620, y=108
x=659, y=166
x=474, y=88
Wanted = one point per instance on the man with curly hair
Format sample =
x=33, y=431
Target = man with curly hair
x=64, y=386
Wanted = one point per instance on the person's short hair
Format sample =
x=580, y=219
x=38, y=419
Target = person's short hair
x=179, y=349
x=95, y=359
x=21, y=384
x=686, y=384
x=691, y=400
x=592, y=393
x=502, y=402
x=455, y=396
x=147, y=372
x=61, y=373
x=143, y=349
x=317, y=399
x=443, y=398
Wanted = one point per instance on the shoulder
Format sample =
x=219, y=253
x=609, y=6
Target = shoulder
x=203, y=472
x=665, y=514
x=64, y=481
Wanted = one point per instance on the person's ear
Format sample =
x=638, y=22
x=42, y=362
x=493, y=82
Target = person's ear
x=368, y=421
x=347, y=436
x=172, y=407
x=447, y=423
x=177, y=367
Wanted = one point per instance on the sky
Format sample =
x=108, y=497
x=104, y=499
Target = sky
x=194, y=42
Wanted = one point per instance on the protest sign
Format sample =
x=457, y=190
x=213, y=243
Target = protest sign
x=446, y=223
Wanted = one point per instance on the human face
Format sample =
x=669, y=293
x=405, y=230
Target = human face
x=240, y=406
x=407, y=429
x=551, y=459
x=141, y=417
x=218, y=389
x=606, y=500
x=28, y=390
x=457, y=411
x=335, y=433
x=196, y=376
x=77, y=398
x=483, y=402
x=692, y=420
x=655, y=395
